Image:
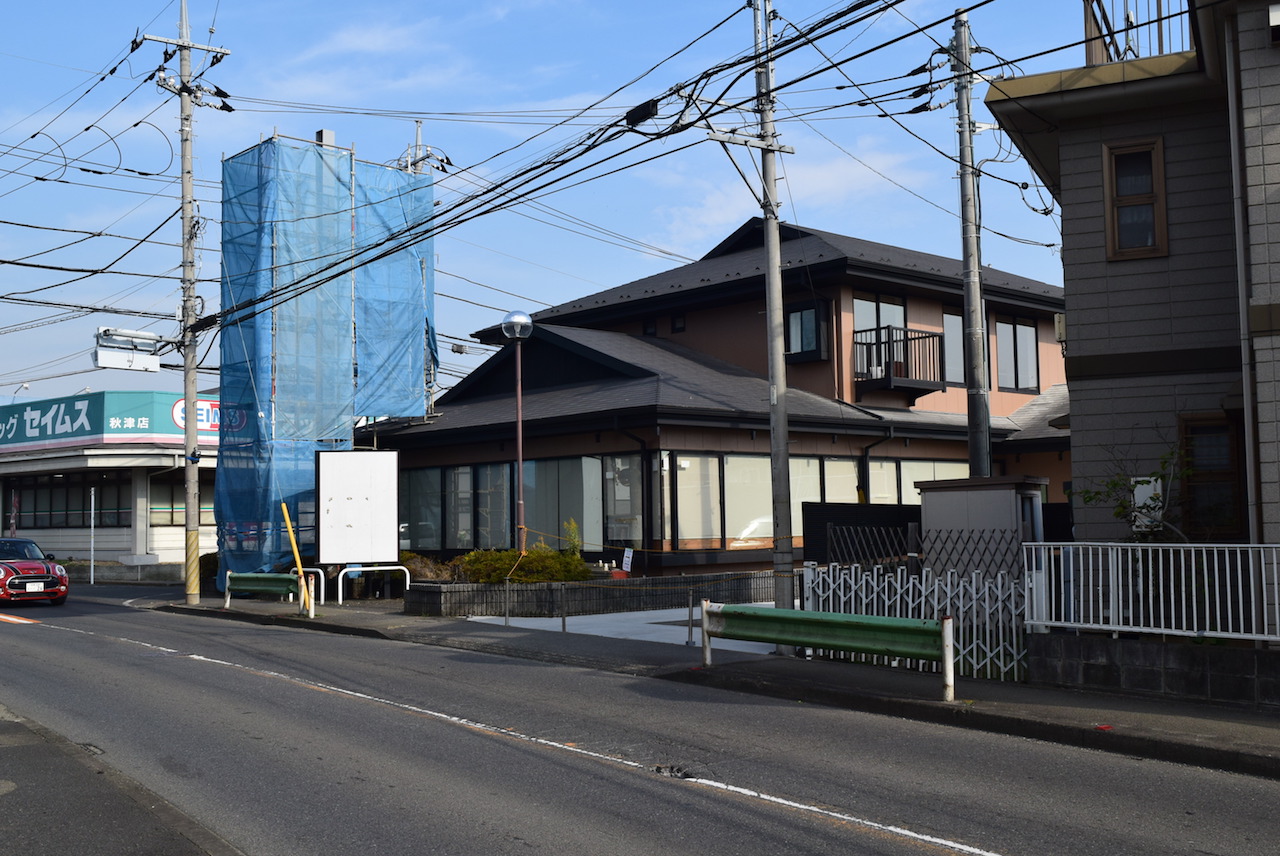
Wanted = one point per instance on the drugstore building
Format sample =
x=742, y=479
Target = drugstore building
x=102, y=473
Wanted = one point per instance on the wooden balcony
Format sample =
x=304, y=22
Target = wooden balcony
x=897, y=358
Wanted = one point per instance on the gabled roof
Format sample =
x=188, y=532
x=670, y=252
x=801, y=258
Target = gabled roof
x=737, y=264
x=603, y=379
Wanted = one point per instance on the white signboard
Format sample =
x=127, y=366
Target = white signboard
x=358, y=507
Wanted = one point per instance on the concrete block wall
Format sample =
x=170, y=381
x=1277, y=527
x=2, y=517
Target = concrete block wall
x=1189, y=669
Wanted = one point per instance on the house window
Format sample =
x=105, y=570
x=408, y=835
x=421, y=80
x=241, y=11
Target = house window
x=677, y=323
x=879, y=323
x=873, y=310
x=1212, y=484
x=806, y=331
x=953, y=362
x=650, y=327
x=1135, y=200
x=1016, y=354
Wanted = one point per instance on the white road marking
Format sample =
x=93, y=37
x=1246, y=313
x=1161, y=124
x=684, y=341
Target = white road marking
x=901, y=832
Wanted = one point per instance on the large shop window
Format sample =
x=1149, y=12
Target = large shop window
x=1135, y=200
x=914, y=472
x=459, y=532
x=495, y=529
x=697, y=501
x=623, y=501
x=561, y=491
x=64, y=500
x=421, y=509
x=168, y=501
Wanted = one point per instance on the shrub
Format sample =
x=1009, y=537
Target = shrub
x=540, y=564
x=427, y=568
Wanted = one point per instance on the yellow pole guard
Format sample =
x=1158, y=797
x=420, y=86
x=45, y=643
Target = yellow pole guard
x=297, y=560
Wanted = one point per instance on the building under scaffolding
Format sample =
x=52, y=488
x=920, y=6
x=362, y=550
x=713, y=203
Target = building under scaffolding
x=328, y=300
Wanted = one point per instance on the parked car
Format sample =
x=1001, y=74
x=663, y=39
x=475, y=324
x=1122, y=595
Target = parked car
x=28, y=573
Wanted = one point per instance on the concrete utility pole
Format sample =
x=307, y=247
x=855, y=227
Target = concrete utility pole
x=975, y=327
x=191, y=441
x=779, y=431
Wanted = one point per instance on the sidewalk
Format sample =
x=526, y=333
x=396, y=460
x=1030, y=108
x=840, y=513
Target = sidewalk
x=656, y=644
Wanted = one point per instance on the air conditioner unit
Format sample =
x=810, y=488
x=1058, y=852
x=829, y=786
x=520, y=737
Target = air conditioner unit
x=1148, y=505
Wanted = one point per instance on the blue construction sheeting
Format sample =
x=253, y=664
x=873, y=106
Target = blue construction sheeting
x=328, y=290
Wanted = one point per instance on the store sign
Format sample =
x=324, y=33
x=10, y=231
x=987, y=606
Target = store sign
x=103, y=417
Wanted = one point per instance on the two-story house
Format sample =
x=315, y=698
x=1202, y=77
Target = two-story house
x=1162, y=151
x=645, y=408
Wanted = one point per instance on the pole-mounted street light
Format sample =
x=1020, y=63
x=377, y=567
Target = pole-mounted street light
x=518, y=326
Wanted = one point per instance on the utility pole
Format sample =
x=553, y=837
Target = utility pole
x=191, y=441
x=779, y=432
x=975, y=327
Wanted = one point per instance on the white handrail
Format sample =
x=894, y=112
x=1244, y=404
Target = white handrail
x=317, y=574
x=361, y=568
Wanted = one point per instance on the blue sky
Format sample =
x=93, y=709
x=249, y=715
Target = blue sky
x=81, y=157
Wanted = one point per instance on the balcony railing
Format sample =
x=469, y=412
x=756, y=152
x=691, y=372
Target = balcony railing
x=1130, y=29
x=898, y=358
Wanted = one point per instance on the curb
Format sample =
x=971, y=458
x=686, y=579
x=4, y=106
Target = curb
x=960, y=715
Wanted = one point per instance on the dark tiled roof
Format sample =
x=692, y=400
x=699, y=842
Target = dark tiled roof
x=738, y=263
x=1041, y=417
x=667, y=382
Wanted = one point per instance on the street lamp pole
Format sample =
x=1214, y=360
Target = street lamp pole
x=518, y=326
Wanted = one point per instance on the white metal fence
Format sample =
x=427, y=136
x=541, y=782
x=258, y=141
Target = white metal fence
x=1229, y=591
x=987, y=610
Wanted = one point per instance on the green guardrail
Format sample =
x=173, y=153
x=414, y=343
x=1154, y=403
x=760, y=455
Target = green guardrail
x=913, y=638
x=281, y=584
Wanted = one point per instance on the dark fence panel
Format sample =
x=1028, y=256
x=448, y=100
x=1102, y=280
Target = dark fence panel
x=819, y=516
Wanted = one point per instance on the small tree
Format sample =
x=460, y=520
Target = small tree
x=1141, y=499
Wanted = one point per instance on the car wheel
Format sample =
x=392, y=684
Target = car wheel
x=58, y=601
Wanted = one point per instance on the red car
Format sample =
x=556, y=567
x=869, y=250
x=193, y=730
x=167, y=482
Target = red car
x=27, y=573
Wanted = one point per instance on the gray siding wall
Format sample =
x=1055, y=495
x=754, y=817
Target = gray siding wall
x=1260, y=121
x=1143, y=305
x=1123, y=423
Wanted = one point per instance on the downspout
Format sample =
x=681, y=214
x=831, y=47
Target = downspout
x=1243, y=289
x=864, y=466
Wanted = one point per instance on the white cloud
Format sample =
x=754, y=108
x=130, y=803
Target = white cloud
x=379, y=38
x=704, y=206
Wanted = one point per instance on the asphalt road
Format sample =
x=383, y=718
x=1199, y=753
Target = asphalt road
x=286, y=741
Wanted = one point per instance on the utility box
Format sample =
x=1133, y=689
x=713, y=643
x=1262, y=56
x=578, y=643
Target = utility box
x=980, y=524
x=1000, y=502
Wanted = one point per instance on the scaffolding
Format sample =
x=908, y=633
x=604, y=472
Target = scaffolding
x=328, y=300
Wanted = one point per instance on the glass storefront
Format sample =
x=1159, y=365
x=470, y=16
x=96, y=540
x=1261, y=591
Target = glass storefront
x=696, y=500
